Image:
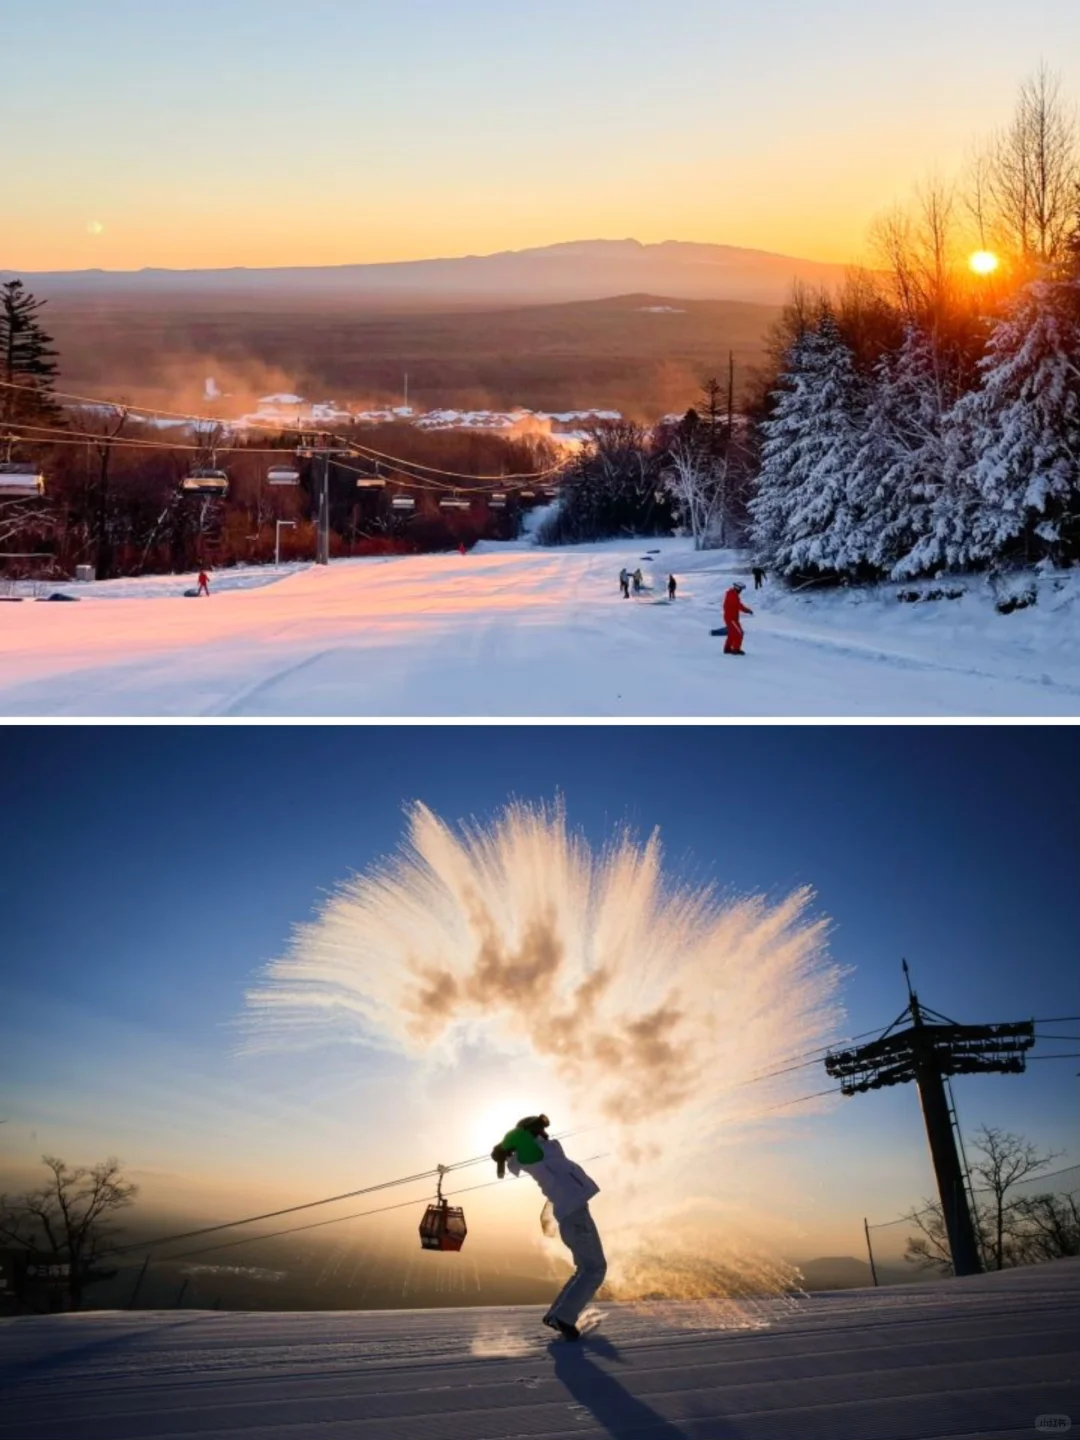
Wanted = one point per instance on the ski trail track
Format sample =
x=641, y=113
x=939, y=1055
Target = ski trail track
x=977, y=1359
x=511, y=631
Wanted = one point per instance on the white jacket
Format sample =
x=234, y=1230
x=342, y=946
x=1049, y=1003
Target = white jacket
x=563, y=1182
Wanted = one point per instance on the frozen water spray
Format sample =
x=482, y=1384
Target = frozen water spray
x=657, y=1006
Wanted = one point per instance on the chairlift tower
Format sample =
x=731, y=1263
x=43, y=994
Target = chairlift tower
x=929, y=1050
x=321, y=447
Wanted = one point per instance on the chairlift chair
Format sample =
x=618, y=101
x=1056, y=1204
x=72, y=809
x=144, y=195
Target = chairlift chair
x=20, y=481
x=205, y=481
x=403, y=502
x=497, y=500
x=453, y=502
x=370, y=482
x=312, y=443
x=283, y=475
x=527, y=494
x=443, y=1226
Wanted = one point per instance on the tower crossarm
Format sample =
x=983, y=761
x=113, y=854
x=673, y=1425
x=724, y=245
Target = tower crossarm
x=951, y=1049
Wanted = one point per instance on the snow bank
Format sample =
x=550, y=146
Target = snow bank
x=149, y=587
x=985, y=1358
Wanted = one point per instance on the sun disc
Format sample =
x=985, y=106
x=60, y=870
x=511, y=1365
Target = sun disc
x=984, y=262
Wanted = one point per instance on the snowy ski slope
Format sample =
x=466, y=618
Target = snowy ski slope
x=515, y=630
x=983, y=1357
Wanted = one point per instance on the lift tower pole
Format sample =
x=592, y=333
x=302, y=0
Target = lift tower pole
x=928, y=1050
x=321, y=449
x=322, y=542
x=937, y=1117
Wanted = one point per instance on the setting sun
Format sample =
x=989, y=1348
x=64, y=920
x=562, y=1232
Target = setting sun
x=984, y=262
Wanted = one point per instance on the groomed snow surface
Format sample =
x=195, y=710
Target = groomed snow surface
x=990, y=1356
x=512, y=629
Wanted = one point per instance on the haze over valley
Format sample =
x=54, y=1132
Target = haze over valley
x=590, y=324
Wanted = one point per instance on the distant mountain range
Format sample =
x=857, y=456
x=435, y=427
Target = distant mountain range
x=577, y=270
x=844, y=1272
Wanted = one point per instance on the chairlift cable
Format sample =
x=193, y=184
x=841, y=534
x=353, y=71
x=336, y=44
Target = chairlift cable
x=276, y=427
x=82, y=437
x=316, y=1224
x=810, y=1057
x=329, y=1200
x=292, y=1209
x=800, y=1099
x=341, y=1219
x=454, y=474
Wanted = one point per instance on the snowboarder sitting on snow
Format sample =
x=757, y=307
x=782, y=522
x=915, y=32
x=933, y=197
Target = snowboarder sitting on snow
x=759, y=576
x=204, y=583
x=529, y=1148
x=624, y=582
x=733, y=608
x=671, y=587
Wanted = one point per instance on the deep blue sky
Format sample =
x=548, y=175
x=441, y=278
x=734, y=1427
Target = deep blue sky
x=148, y=872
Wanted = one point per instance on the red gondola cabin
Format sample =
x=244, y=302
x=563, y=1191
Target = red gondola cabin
x=443, y=1226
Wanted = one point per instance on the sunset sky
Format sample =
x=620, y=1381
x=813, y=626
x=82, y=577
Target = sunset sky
x=156, y=870
x=254, y=132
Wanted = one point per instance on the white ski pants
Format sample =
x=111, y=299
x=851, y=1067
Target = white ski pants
x=581, y=1237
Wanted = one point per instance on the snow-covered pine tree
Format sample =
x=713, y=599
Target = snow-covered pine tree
x=877, y=452
x=800, y=514
x=27, y=360
x=943, y=527
x=897, y=474
x=781, y=433
x=1026, y=418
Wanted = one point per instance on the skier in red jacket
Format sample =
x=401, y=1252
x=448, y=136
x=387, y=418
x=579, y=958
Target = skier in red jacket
x=204, y=583
x=733, y=608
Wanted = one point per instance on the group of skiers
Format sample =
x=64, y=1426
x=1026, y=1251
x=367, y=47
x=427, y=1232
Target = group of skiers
x=733, y=605
x=637, y=580
x=626, y=579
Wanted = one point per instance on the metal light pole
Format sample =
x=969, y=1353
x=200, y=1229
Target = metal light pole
x=277, y=538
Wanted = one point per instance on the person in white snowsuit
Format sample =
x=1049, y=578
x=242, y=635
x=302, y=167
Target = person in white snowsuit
x=529, y=1150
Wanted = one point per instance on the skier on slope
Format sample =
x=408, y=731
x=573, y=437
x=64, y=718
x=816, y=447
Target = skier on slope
x=733, y=608
x=204, y=583
x=671, y=587
x=529, y=1148
x=624, y=582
